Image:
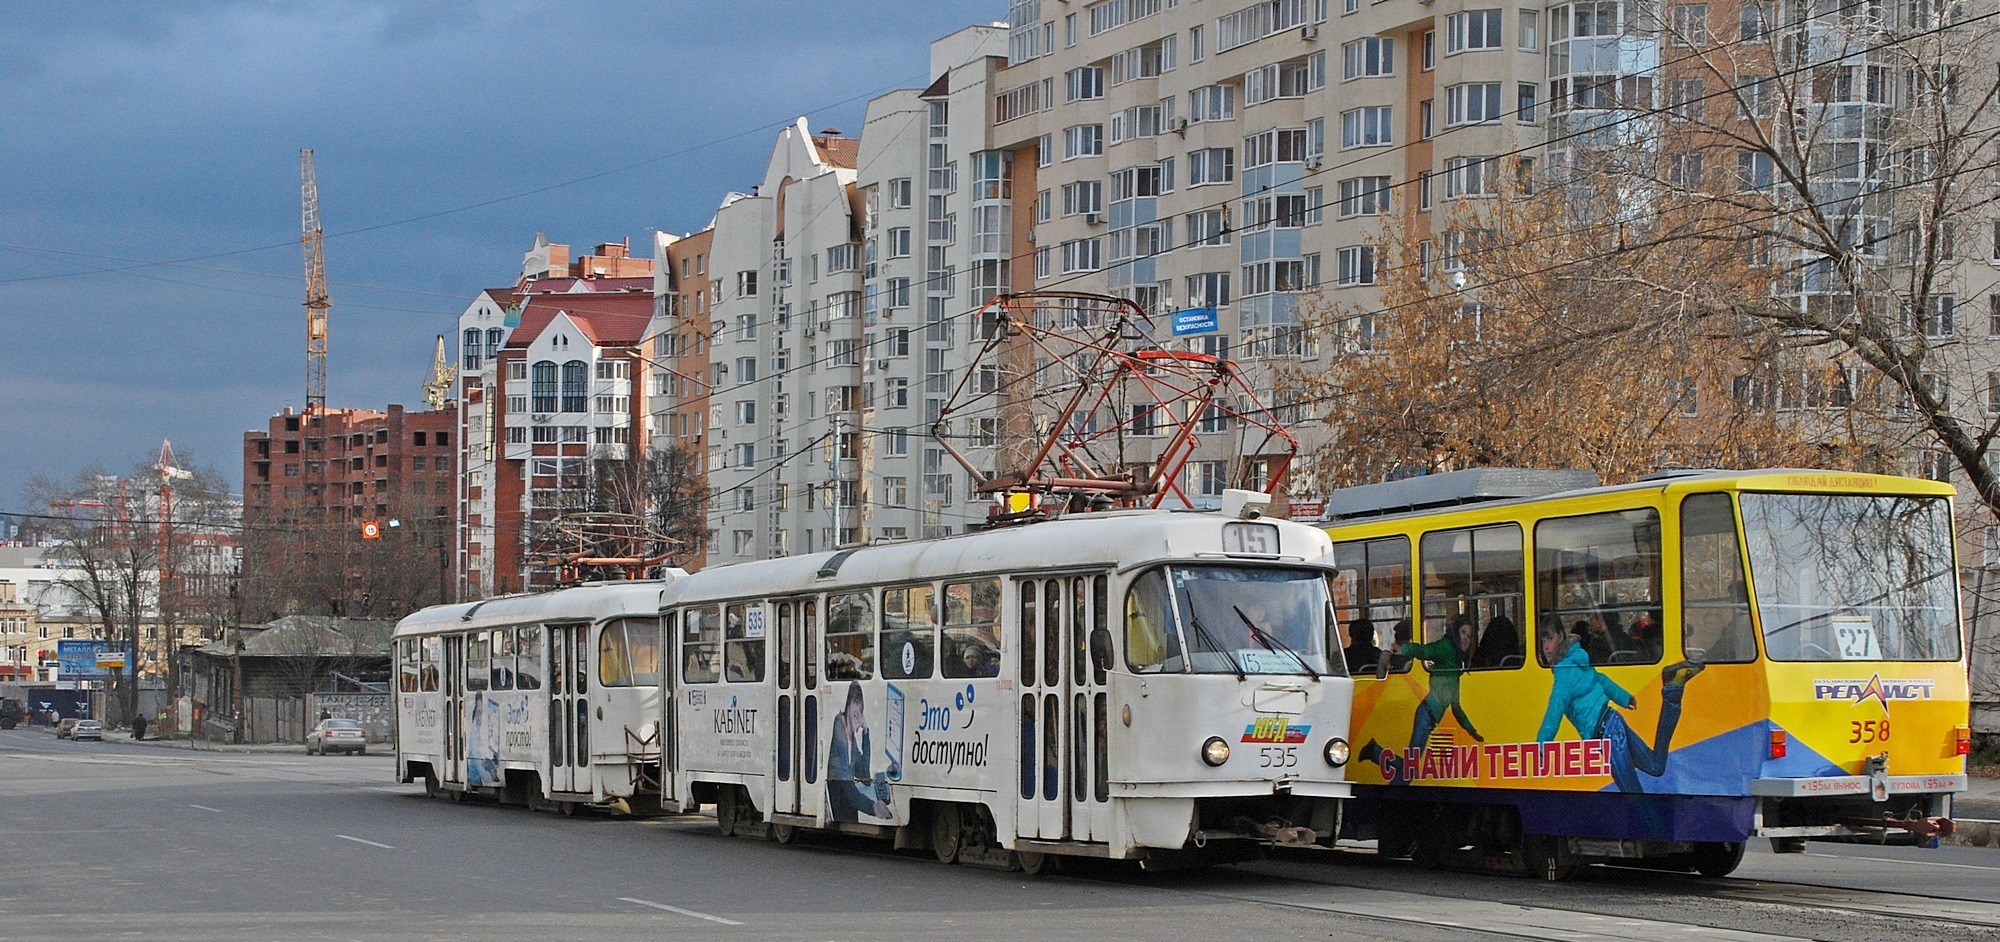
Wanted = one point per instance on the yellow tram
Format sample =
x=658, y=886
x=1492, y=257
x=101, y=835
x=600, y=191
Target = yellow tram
x=1550, y=673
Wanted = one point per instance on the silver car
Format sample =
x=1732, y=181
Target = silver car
x=337, y=735
x=87, y=729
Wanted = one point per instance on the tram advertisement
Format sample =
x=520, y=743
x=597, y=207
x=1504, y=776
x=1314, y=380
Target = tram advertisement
x=871, y=747
x=1684, y=728
x=500, y=729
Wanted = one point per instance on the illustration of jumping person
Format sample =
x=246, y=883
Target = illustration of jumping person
x=1582, y=696
x=1447, y=657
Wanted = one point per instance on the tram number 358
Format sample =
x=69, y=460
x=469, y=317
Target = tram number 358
x=1277, y=757
x=1868, y=731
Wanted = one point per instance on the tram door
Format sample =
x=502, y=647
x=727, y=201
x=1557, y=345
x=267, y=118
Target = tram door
x=797, y=681
x=1062, y=703
x=569, y=708
x=454, y=706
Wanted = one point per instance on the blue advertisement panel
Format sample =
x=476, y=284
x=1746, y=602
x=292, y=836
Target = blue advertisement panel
x=77, y=659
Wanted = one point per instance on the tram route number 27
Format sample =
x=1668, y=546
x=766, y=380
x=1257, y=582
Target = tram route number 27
x=1277, y=757
x=1868, y=731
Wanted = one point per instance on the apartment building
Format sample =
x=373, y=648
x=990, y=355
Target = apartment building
x=319, y=486
x=549, y=403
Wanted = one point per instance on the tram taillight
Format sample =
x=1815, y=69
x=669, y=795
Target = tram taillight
x=1778, y=743
x=1964, y=734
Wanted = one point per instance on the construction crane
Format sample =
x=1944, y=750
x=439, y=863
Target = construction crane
x=316, y=301
x=437, y=389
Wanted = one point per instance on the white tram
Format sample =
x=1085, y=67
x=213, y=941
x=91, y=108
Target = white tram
x=545, y=700
x=1150, y=685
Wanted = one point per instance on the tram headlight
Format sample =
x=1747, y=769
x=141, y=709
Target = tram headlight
x=1215, y=751
x=1337, y=752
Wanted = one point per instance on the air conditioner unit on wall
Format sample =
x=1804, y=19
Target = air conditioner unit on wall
x=1309, y=32
x=1095, y=219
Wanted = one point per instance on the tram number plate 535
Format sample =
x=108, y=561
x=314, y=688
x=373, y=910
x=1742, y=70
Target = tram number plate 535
x=1277, y=757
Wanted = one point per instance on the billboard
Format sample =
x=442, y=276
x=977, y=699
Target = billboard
x=88, y=659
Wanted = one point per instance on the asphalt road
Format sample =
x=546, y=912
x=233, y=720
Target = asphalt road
x=157, y=842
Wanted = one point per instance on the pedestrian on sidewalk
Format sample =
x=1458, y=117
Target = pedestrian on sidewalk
x=139, y=726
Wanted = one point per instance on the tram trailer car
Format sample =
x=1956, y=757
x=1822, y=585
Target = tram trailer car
x=1655, y=672
x=549, y=700
x=1085, y=686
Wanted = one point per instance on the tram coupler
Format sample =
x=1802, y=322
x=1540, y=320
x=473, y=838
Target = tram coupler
x=1278, y=831
x=1920, y=826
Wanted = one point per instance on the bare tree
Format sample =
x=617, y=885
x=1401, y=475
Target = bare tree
x=1851, y=150
x=1493, y=346
x=150, y=557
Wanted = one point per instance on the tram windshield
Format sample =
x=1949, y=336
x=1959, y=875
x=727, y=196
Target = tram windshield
x=1853, y=578
x=1229, y=620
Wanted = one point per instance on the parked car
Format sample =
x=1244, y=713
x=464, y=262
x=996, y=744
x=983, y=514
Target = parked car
x=337, y=735
x=65, y=725
x=87, y=729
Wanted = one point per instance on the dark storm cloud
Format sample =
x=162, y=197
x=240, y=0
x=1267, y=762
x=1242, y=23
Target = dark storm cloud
x=171, y=131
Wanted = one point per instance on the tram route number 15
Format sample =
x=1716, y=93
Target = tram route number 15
x=1868, y=731
x=1277, y=757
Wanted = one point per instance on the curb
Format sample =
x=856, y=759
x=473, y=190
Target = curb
x=1975, y=832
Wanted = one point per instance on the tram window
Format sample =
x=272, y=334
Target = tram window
x=1079, y=627
x=430, y=650
x=408, y=671
x=628, y=653
x=1100, y=604
x=1853, y=577
x=743, y=642
x=1052, y=610
x=476, y=661
x=909, y=631
x=1473, y=581
x=1715, y=605
x=971, y=633
x=1371, y=589
x=1597, y=580
x=1151, y=644
x=528, y=658
x=850, y=636
x=785, y=610
x=501, y=667
x=1030, y=637
x=807, y=617
x=701, y=639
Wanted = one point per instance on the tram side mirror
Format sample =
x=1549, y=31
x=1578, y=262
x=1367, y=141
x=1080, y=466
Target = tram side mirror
x=1100, y=648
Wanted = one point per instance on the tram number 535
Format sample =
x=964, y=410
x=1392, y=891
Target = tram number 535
x=1868, y=731
x=1277, y=757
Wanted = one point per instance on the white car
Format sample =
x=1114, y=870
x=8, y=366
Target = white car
x=337, y=735
x=87, y=729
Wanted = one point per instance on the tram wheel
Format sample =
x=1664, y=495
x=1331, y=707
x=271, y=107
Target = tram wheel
x=1548, y=857
x=784, y=833
x=431, y=788
x=725, y=811
x=1717, y=858
x=947, y=832
x=1034, y=863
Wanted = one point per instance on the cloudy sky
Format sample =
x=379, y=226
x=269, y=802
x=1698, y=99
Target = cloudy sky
x=150, y=271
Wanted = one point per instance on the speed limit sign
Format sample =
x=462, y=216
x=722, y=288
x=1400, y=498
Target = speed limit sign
x=371, y=530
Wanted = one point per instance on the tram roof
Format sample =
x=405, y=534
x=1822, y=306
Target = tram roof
x=588, y=602
x=1501, y=487
x=1117, y=539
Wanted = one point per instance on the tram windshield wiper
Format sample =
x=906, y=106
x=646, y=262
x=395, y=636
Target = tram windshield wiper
x=1271, y=642
x=1194, y=621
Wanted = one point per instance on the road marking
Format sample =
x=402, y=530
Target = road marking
x=1920, y=863
x=369, y=843
x=677, y=909
x=207, y=808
